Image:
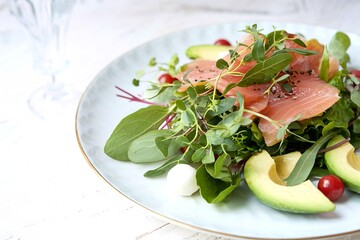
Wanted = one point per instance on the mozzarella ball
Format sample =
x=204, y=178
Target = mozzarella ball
x=181, y=180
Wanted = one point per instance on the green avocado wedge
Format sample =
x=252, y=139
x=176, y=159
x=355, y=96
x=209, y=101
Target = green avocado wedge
x=343, y=163
x=286, y=163
x=207, y=51
x=263, y=180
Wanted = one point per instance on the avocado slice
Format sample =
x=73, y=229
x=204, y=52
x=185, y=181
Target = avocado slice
x=286, y=163
x=263, y=180
x=343, y=163
x=207, y=51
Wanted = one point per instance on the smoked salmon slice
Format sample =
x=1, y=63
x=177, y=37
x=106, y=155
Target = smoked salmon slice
x=305, y=63
x=201, y=72
x=198, y=72
x=309, y=97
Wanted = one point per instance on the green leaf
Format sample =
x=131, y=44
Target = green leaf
x=248, y=57
x=324, y=65
x=133, y=126
x=180, y=104
x=136, y=82
x=338, y=81
x=188, y=118
x=229, y=87
x=354, y=79
x=222, y=106
x=264, y=71
x=356, y=125
x=299, y=42
x=174, y=60
x=281, y=133
x=227, y=191
x=213, y=136
x=304, y=52
x=164, y=168
x=214, y=190
x=355, y=97
x=234, y=54
x=163, y=144
x=198, y=155
x=182, y=141
x=209, y=157
x=318, y=172
x=230, y=124
x=223, y=175
x=341, y=111
x=275, y=37
x=191, y=92
x=258, y=51
x=222, y=64
x=338, y=47
x=334, y=125
x=219, y=163
x=256, y=133
x=146, y=149
x=152, y=62
x=307, y=160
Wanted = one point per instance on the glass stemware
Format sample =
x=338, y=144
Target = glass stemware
x=46, y=22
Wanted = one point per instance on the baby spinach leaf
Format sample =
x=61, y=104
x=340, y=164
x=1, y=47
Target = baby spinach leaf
x=163, y=144
x=338, y=47
x=224, y=193
x=223, y=174
x=133, y=126
x=144, y=149
x=263, y=71
x=220, y=161
x=214, y=190
x=307, y=160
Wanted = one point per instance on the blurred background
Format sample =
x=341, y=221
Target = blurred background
x=47, y=190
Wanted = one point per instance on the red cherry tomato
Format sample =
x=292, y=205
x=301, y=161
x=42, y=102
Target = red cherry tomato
x=331, y=186
x=356, y=73
x=222, y=42
x=166, y=78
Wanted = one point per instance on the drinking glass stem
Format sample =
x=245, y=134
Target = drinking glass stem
x=56, y=90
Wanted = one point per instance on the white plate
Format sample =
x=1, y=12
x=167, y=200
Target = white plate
x=241, y=216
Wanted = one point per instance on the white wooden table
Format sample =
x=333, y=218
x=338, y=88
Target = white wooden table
x=47, y=190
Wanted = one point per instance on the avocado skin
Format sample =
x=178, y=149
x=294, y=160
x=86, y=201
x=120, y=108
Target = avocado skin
x=206, y=51
x=341, y=162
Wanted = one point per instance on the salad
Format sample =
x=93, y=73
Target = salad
x=213, y=120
